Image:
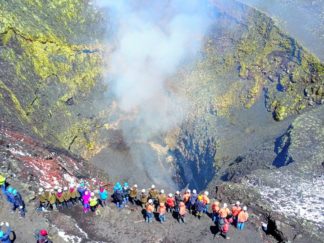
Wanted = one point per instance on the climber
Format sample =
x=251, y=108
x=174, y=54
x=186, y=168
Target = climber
x=242, y=218
x=103, y=194
x=118, y=197
x=67, y=197
x=206, y=201
x=52, y=199
x=225, y=227
x=143, y=198
x=153, y=193
x=224, y=212
x=182, y=212
x=170, y=203
x=18, y=203
x=81, y=189
x=9, y=195
x=149, y=211
x=74, y=194
x=5, y=234
x=42, y=237
x=3, y=183
x=133, y=194
x=236, y=209
x=192, y=200
x=199, y=206
x=215, y=209
x=117, y=187
x=86, y=201
x=126, y=192
x=93, y=202
x=186, y=198
x=162, y=211
x=60, y=199
x=42, y=199
x=161, y=198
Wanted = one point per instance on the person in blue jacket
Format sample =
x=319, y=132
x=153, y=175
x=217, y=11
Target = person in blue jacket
x=5, y=235
x=126, y=191
x=18, y=203
x=9, y=195
x=103, y=194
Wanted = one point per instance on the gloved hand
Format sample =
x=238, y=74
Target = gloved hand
x=7, y=224
x=20, y=207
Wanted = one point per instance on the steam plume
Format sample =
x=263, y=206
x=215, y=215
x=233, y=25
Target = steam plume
x=152, y=39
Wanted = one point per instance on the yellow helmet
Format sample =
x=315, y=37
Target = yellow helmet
x=200, y=197
x=2, y=180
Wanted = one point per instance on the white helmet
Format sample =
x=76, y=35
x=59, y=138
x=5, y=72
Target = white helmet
x=237, y=203
x=170, y=195
x=135, y=185
x=72, y=185
x=56, y=187
x=86, y=193
x=59, y=190
x=150, y=201
x=51, y=190
x=65, y=188
x=143, y=190
x=177, y=192
x=188, y=190
x=162, y=191
x=153, y=186
x=244, y=208
x=92, y=194
x=40, y=190
x=225, y=205
x=194, y=191
x=206, y=193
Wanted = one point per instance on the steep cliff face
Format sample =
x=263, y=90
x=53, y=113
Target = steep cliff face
x=50, y=59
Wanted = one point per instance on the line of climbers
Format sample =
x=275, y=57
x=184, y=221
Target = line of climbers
x=152, y=201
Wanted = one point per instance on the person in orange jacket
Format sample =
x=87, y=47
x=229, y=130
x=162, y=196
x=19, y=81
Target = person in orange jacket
x=149, y=211
x=206, y=201
x=182, y=212
x=215, y=209
x=224, y=212
x=242, y=218
x=236, y=209
x=162, y=211
x=225, y=227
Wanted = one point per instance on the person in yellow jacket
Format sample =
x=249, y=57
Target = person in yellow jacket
x=161, y=198
x=143, y=198
x=60, y=199
x=42, y=199
x=51, y=199
x=133, y=194
x=74, y=194
x=67, y=197
x=93, y=202
x=242, y=218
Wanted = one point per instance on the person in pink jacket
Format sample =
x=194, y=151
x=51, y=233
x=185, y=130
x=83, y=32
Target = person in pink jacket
x=86, y=201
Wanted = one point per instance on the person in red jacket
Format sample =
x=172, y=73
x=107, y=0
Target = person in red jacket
x=224, y=229
x=170, y=203
x=236, y=209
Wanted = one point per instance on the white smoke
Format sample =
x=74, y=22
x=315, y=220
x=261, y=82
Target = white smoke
x=151, y=41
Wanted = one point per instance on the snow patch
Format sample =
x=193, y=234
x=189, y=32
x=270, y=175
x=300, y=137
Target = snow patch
x=293, y=195
x=69, y=238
